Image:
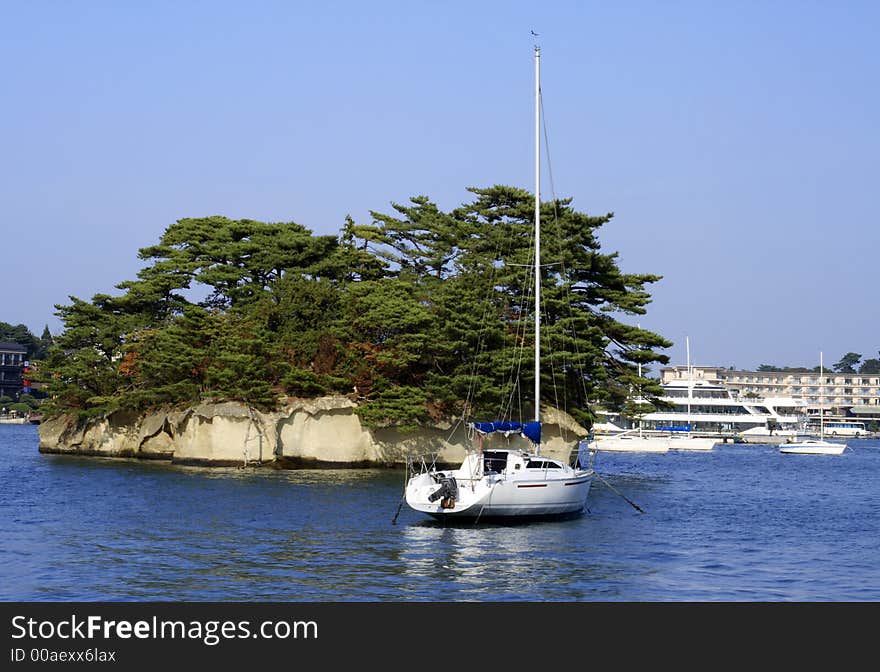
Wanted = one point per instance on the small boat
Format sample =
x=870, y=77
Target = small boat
x=13, y=418
x=816, y=446
x=777, y=436
x=690, y=442
x=710, y=408
x=813, y=447
x=501, y=483
x=506, y=482
x=626, y=441
x=631, y=443
x=623, y=441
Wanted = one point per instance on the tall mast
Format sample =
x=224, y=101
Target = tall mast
x=687, y=341
x=537, y=233
x=639, y=402
x=821, y=398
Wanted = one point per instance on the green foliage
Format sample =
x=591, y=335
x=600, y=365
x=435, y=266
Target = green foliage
x=29, y=400
x=848, y=363
x=20, y=334
x=870, y=366
x=404, y=406
x=417, y=315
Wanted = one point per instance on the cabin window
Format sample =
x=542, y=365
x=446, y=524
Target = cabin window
x=542, y=464
x=494, y=462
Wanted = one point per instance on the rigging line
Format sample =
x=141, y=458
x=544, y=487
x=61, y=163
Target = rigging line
x=480, y=343
x=559, y=235
x=562, y=260
x=513, y=383
x=520, y=334
x=471, y=390
x=499, y=254
x=547, y=148
x=506, y=407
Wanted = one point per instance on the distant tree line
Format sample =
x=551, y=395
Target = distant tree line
x=416, y=315
x=37, y=348
x=851, y=362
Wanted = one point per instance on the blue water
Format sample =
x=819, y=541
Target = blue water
x=742, y=523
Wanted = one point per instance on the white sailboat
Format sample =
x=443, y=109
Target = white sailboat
x=814, y=446
x=631, y=443
x=689, y=441
x=507, y=482
x=628, y=442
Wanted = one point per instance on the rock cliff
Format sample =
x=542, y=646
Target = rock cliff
x=303, y=433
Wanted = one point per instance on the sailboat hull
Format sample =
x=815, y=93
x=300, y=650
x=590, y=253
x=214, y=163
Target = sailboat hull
x=810, y=447
x=496, y=496
x=813, y=446
x=691, y=443
x=632, y=444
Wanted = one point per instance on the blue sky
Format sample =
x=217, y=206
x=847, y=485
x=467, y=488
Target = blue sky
x=736, y=142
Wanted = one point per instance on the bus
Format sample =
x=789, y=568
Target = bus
x=845, y=428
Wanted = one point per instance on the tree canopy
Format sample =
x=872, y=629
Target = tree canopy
x=851, y=362
x=37, y=348
x=848, y=363
x=419, y=315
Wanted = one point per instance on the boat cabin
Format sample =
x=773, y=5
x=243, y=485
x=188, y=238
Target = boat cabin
x=512, y=461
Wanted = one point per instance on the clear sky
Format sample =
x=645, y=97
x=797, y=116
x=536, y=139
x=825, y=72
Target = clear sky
x=736, y=142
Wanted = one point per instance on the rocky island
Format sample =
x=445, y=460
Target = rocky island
x=304, y=350
x=318, y=433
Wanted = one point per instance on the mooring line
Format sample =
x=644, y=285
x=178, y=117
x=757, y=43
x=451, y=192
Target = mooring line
x=616, y=491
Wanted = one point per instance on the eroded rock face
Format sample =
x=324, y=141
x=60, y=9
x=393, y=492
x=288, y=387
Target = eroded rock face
x=322, y=432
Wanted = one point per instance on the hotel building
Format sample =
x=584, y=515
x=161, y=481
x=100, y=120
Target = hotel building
x=845, y=394
x=12, y=358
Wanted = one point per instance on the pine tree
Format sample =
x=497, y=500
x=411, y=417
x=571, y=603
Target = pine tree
x=419, y=315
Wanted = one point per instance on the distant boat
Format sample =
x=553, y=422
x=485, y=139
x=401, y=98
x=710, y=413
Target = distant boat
x=688, y=441
x=631, y=443
x=505, y=482
x=816, y=446
x=766, y=435
x=13, y=420
x=813, y=447
x=606, y=429
x=624, y=441
x=710, y=409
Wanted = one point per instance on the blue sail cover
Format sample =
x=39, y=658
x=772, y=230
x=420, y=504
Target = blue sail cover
x=530, y=430
x=676, y=428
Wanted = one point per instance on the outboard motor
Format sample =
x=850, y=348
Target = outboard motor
x=448, y=491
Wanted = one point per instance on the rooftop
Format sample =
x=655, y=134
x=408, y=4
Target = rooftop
x=10, y=346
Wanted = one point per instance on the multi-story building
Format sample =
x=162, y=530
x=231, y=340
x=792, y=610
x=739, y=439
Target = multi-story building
x=12, y=358
x=844, y=393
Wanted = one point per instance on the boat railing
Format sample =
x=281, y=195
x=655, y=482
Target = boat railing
x=625, y=432
x=421, y=462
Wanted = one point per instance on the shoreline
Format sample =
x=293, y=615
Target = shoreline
x=321, y=433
